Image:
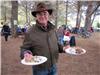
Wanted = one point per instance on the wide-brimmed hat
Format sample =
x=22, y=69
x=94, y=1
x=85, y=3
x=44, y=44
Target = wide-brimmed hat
x=42, y=7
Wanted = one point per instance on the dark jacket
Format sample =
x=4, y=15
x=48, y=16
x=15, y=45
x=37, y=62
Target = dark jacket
x=43, y=42
x=6, y=30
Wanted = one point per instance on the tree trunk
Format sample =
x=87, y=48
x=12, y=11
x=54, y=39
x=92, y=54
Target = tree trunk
x=78, y=14
x=90, y=12
x=97, y=6
x=26, y=13
x=56, y=13
x=93, y=18
x=88, y=16
x=14, y=17
x=5, y=8
x=66, y=11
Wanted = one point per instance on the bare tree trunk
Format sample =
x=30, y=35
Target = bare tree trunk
x=93, y=18
x=14, y=17
x=94, y=11
x=66, y=11
x=88, y=16
x=56, y=20
x=98, y=4
x=78, y=14
x=29, y=19
x=26, y=13
x=5, y=17
x=90, y=12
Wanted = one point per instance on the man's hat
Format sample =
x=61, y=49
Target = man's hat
x=41, y=7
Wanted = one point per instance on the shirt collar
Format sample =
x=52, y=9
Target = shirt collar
x=45, y=28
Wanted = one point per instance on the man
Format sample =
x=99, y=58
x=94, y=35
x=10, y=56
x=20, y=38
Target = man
x=41, y=40
x=6, y=31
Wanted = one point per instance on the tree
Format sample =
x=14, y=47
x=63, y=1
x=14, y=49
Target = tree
x=78, y=20
x=98, y=25
x=5, y=11
x=56, y=13
x=66, y=11
x=14, y=17
x=90, y=11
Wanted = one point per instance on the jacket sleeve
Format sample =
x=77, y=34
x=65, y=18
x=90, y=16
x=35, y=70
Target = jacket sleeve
x=27, y=45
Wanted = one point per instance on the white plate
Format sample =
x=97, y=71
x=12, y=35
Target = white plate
x=71, y=50
x=37, y=60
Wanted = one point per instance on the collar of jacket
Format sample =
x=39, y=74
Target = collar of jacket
x=43, y=28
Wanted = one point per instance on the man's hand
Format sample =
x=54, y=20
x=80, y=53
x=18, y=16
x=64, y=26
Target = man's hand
x=28, y=56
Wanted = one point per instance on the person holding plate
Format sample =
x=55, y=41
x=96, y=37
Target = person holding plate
x=41, y=40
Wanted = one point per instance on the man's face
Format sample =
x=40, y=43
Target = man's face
x=42, y=17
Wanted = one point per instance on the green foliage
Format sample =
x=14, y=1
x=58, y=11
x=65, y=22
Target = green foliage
x=98, y=25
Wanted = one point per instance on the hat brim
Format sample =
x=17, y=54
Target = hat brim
x=35, y=12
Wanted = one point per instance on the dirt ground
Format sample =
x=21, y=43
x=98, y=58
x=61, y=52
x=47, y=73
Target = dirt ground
x=86, y=64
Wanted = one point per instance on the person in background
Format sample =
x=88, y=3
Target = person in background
x=41, y=40
x=23, y=30
x=66, y=38
x=60, y=35
x=6, y=31
x=69, y=39
x=72, y=41
x=18, y=30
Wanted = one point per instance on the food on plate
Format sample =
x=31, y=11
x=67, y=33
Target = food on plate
x=34, y=59
x=78, y=50
x=29, y=60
